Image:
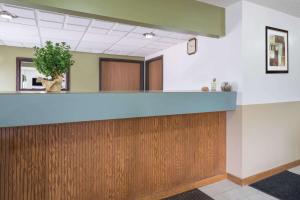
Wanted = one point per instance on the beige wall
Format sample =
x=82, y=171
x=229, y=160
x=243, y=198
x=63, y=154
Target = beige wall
x=271, y=136
x=84, y=74
x=234, y=142
x=264, y=132
x=262, y=137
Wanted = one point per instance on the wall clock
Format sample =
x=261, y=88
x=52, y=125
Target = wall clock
x=192, y=46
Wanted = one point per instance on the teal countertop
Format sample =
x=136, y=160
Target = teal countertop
x=22, y=109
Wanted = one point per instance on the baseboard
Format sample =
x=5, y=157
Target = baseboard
x=235, y=179
x=186, y=187
x=263, y=175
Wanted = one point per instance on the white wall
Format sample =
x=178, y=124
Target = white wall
x=260, y=88
x=238, y=57
x=220, y=58
x=216, y=58
x=263, y=133
x=271, y=132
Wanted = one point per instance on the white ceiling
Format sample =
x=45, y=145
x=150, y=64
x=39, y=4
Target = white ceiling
x=291, y=7
x=34, y=27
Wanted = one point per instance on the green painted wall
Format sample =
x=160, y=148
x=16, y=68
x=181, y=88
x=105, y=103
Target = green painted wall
x=178, y=15
x=84, y=74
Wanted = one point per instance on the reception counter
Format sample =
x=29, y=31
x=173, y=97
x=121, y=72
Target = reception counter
x=111, y=146
x=21, y=109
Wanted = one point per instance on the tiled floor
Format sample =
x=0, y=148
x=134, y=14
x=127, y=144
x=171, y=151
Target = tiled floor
x=295, y=170
x=227, y=190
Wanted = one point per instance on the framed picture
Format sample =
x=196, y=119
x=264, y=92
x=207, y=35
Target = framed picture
x=192, y=46
x=27, y=76
x=277, y=50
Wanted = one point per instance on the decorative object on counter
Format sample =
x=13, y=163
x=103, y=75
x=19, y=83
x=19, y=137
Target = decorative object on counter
x=277, y=44
x=205, y=89
x=53, y=61
x=214, y=85
x=52, y=86
x=192, y=46
x=226, y=87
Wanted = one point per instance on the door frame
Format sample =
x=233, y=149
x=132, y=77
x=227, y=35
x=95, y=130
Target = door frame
x=161, y=57
x=123, y=60
x=19, y=60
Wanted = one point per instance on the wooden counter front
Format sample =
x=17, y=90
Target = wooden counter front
x=127, y=159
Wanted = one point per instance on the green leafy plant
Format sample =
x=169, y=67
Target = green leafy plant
x=53, y=60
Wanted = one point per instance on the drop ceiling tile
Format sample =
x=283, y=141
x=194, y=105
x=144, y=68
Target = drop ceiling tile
x=48, y=24
x=27, y=39
x=170, y=40
x=13, y=43
x=100, y=45
x=12, y=30
x=147, y=51
x=91, y=37
x=19, y=38
x=90, y=50
x=96, y=51
x=142, y=30
x=123, y=27
x=117, y=52
x=83, y=49
x=161, y=33
x=51, y=17
x=135, y=36
x=24, y=21
x=134, y=42
x=20, y=12
x=60, y=34
x=99, y=49
x=78, y=21
x=140, y=54
x=102, y=24
x=159, y=45
x=117, y=33
x=30, y=45
x=71, y=43
x=124, y=48
x=98, y=30
x=3, y=20
x=75, y=27
x=122, y=39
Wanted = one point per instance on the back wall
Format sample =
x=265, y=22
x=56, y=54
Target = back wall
x=84, y=74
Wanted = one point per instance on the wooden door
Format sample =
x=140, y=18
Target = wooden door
x=121, y=75
x=154, y=74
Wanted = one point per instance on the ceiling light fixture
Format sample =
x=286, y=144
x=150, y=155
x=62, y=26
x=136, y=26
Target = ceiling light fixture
x=149, y=35
x=7, y=15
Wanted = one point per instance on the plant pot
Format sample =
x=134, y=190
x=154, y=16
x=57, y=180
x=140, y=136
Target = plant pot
x=52, y=86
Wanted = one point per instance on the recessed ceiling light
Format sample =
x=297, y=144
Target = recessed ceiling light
x=7, y=15
x=149, y=35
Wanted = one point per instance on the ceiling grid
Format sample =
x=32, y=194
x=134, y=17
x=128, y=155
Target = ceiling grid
x=34, y=27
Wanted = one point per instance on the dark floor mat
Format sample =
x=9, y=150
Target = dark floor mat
x=190, y=195
x=285, y=186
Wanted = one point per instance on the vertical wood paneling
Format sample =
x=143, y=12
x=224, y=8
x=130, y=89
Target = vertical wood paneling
x=111, y=160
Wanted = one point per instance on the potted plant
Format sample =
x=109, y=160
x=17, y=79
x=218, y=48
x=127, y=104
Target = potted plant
x=53, y=61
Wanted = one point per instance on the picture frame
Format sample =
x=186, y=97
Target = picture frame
x=192, y=46
x=30, y=83
x=277, y=50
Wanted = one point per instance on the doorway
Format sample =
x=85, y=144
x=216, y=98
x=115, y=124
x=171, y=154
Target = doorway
x=154, y=73
x=121, y=75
